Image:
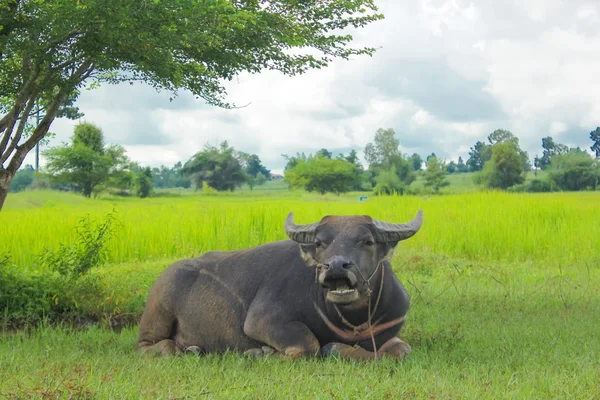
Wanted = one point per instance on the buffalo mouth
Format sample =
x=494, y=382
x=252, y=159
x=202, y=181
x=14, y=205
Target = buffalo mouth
x=340, y=292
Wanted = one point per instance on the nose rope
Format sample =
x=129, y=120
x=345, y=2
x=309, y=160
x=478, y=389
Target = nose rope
x=370, y=313
x=368, y=323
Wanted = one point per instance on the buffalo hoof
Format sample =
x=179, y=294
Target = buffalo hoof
x=259, y=351
x=193, y=350
x=332, y=349
x=399, y=350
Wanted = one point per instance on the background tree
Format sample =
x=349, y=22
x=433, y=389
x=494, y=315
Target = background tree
x=452, y=168
x=595, y=136
x=23, y=178
x=252, y=168
x=217, y=166
x=292, y=161
x=416, y=162
x=435, y=175
x=461, y=166
x=49, y=49
x=388, y=182
x=479, y=154
x=143, y=182
x=325, y=153
x=383, y=154
x=505, y=169
x=322, y=174
x=432, y=155
x=503, y=136
x=86, y=163
x=575, y=170
x=361, y=175
x=551, y=148
x=261, y=179
x=383, y=148
x=165, y=177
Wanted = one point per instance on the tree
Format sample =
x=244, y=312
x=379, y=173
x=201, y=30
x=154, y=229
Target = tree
x=361, y=174
x=551, y=148
x=23, y=178
x=219, y=167
x=432, y=155
x=479, y=154
x=383, y=148
x=260, y=179
x=164, y=177
x=143, y=182
x=388, y=182
x=292, y=161
x=383, y=154
x=416, y=162
x=575, y=170
x=50, y=49
x=595, y=136
x=435, y=175
x=252, y=164
x=324, y=153
x=452, y=167
x=461, y=166
x=505, y=168
x=87, y=162
x=323, y=175
x=352, y=158
x=503, y=136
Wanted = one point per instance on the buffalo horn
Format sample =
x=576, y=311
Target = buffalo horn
x=300, y=233
x=387, y=232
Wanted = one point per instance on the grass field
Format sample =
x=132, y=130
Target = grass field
x=505, y=292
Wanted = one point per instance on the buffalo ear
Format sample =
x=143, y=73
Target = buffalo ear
x=389, y=248
x=308, y=252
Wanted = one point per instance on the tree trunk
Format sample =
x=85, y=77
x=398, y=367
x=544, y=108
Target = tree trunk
x=5, y=179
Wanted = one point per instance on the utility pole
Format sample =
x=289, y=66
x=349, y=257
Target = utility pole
x=37, y=145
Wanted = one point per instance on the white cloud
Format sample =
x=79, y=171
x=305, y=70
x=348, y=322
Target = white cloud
x=557, y=127
x=449, y=72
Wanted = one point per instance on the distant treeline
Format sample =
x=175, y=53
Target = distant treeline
x=89, y=166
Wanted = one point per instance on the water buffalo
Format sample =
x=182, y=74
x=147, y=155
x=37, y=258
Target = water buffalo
x=328, y=290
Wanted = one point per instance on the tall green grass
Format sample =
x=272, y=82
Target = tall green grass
x=488, y=226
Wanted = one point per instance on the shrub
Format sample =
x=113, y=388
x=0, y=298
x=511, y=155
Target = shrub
x=88, y=252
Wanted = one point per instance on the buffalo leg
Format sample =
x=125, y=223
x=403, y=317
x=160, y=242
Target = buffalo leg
x=394, y=348
x=293, y=338
x=156, y=331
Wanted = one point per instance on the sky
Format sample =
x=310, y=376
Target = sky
x=447, y=73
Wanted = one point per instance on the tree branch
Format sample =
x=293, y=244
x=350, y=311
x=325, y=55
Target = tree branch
x=20, y=99
x=82, y=73
x=15, y=141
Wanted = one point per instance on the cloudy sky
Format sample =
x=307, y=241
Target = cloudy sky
x=448, y=73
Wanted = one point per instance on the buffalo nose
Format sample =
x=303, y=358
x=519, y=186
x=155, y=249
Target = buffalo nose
x=338, y=262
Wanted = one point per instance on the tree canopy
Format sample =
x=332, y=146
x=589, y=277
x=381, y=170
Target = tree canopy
x=505, y=168
x=86, y=162
x=219, y=167
x=551, y=149
x=49, y=49
x=575, y=170
x=322, y=174
x=595, y=136
x=435, y=174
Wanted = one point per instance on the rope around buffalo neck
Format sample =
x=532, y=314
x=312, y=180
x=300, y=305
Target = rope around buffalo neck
x=370, y=313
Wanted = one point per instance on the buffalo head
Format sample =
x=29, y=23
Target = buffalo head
x=348, y=250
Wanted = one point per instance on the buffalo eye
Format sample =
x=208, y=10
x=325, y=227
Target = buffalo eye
x=318, y=244
x=369, y=242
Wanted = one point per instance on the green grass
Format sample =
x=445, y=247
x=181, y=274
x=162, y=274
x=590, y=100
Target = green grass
x=505, y=292
x=478, y=226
